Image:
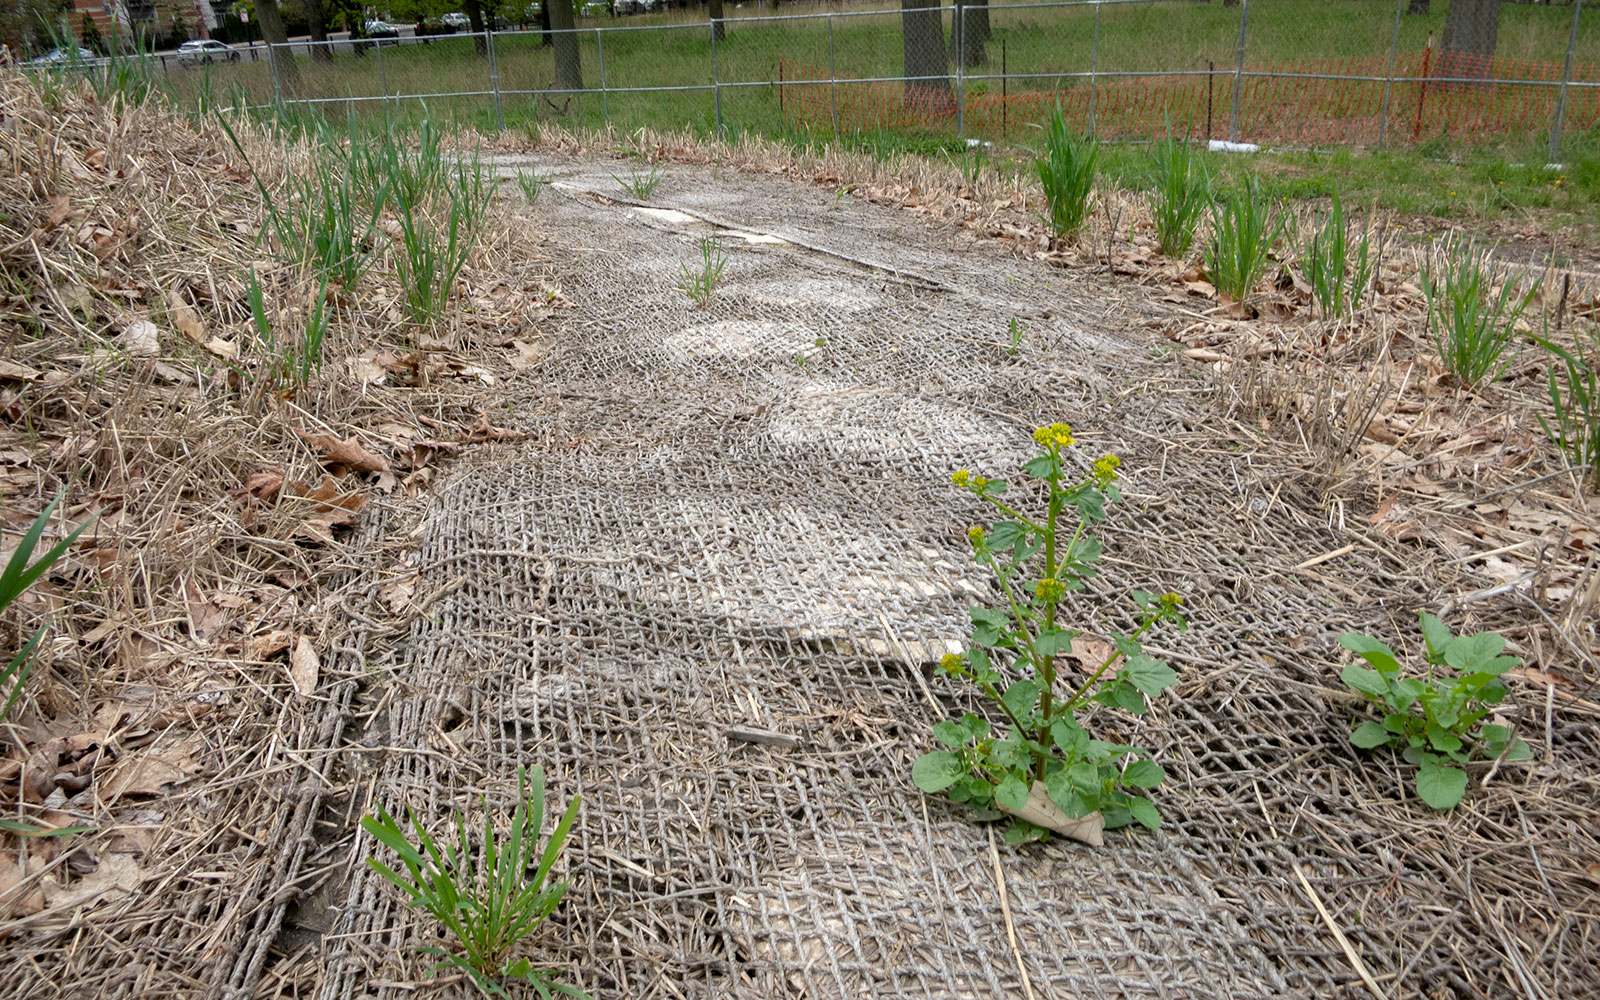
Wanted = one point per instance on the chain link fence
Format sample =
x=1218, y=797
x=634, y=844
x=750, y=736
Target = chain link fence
x=1297, y=73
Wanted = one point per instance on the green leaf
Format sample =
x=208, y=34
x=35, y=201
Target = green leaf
x=1144, y=811
x=1040, y=466
x=1021, y=697
x=951, y=733
x=936, y=771
x=1437, y=636
x=1494, y=734
x=1404, y=693
x=1053, y=641
x=1143, y=774
x=1440, y=785
x=1021, y=832
x=1123, y=695
x=1085, y=777
x=1519, y=751
x=1006, y=534
x=1091, y=505
x=1150, y=675
x=1011, y=793
x=1374, y=652
x=1068, y=735
x=1369, y=735
x=1475, y=653
x=1443, y=739
x=1366, y=681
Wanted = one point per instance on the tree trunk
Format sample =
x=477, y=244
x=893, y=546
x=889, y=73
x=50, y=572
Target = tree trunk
x=1417, y=7
x=474, y=12
x=317, y=15
x=272, y=32
x=544, y=24
x=967, y=33
x=922, y=29
x=715, y=12
x=569, y=67
x=1471, y=28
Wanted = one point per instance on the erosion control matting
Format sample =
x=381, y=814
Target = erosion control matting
x=707, y=592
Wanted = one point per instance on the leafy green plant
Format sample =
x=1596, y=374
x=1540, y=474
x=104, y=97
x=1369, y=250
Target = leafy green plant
x=1181, y=196
x=1338, y=269
x=17, y=577
x=1435, y=721
x=1066, y=171
x=1244, y=226
x=699, y=285
x=641, y=185
x=1575, y=426
x=1472, y=324
x=1036, y=564
x=482, y=892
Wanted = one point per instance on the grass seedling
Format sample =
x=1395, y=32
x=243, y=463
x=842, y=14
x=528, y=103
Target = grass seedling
x=1472, y=324
x=1434, y=720
x=1018, y=328
x=640, y=185
x=1575, y=426
x=699, y=284
x=1182, y=193
x=1066, y=170
x=290, y=362
x=1338, y=277
x=1244, y=227
x=489, y=894
x=532, y=185
x=1011, y=660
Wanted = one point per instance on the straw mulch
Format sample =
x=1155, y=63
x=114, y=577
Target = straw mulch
x=204, y=632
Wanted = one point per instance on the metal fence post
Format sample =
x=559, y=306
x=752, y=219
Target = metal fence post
x=1388, y=84
x=1566, y=80
x=1094, y=68
x=494, y=82
x=277, y=87
x=833, y=79
x=1238, y=72
x=600, y=51
x=383, y=78
x=959, y=11
x=716, y=86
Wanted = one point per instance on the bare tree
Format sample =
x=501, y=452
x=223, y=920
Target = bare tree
x=569, y=64
x=1471, y=29
x=317, y=16
x=288, y=74
x=927, y=77
x=714, y=9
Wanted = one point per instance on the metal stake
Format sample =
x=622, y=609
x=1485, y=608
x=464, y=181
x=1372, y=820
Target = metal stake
x=1566, y=79
x=959, y=11
x=277, y=88
x=600, y=49
x=1094, y=68
x=716, y=86
x=494, y=82
x=1238, y=72
x=833, y=80
x=1388, y=84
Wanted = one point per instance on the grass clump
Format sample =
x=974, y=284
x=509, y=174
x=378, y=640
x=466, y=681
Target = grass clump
x=1182, y=193
x=291, y=360
x=699, y=284
x=1575, y=396
x=17, y=577
x=1471, y=322
x=489, y=894
x=641, y=185
x=532, y=185
x=1066, y=171
x=1244, y=228
x=1338, y=268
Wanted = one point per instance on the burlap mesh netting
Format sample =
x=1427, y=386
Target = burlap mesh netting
x=738, y=518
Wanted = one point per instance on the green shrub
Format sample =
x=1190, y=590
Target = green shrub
x=1067, y=171
x=1471, y=323
x=1182, y=192
x=1338, y=276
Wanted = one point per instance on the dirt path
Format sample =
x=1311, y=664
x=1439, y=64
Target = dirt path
x=738, y=517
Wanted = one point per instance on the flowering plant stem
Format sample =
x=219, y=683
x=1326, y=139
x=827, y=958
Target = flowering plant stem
x=1012, y=661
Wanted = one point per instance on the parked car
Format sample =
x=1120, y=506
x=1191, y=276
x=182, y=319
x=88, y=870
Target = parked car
x=456, y=20
x=381, y=29
x=58, y=57
x=206, y=50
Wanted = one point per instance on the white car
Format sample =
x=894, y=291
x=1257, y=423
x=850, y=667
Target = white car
x=57, y=57
x=206, y=50
x=456, y=19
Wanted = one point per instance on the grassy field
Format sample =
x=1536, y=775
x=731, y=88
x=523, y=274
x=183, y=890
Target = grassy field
x=1434, y=177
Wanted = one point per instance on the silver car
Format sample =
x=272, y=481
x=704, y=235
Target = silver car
x=206, y=50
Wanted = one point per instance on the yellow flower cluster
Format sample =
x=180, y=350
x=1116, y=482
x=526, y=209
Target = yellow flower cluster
x=1049, y=590
x=1172, y=601
x=1105, y=469
x=1055, y=436
x=960, y=477
x=950, y=663
x=975, y=535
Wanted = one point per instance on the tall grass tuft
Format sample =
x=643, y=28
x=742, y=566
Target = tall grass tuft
x=699, y=283
x=1338, y=269
x=489, y=893
x=1575, y=398
x=1244, y=226
x=1472, y=324
x=1181, y=196
x=290, y=360
x=1066, y=171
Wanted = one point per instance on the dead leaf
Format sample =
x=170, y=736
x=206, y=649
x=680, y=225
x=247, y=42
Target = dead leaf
x=60, y=208
x=185, y=320
x=303, y=668
x=19, y=373
x=329, y=495
x=259, y=648
x=16, y=901
x=149, y=772
x=227, y=350
x=483, y=431
x=262, y=485
x=398, y=594
x=1090, y=651
x=141, y=339
x=1204, y=288
x=116, y=873
x=525, y=355
x=349, y=453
